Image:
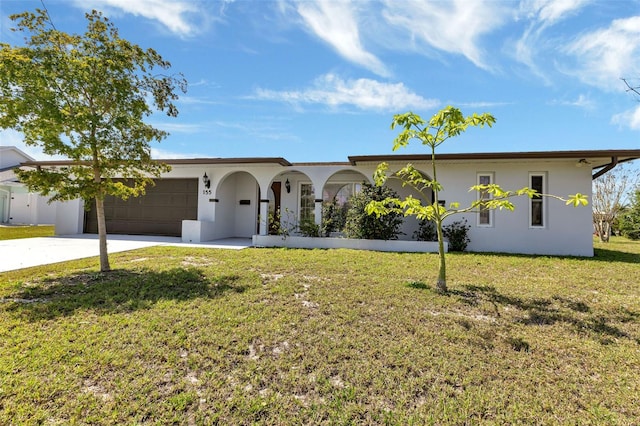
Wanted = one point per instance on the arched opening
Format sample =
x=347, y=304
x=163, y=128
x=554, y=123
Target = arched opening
x=237, y=205
x=336, y=194
x=291, y=198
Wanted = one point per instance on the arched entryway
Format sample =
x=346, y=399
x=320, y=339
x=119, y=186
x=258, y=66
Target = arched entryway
x=291, y=198
x=337, y=192
x=237, y=204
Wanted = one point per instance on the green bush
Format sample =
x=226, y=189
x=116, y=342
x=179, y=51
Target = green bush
x=457, y=235
x=629, y=222
x=334, y=217
x=308, y=228
x=359, y=224
x=426, y=231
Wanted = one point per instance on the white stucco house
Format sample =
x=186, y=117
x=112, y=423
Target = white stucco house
x=206, y=199
x=17, y=204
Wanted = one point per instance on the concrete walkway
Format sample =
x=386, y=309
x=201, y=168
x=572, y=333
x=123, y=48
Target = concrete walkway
x=28, y=252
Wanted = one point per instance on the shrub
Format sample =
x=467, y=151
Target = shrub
x=334, y=217
x=359, y=224
x=282, y=223
x=426, y=231
x=630, y=221
x=457, y=235
x=308, y=228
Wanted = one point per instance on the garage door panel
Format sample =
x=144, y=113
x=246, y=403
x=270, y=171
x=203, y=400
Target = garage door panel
x=159, y=212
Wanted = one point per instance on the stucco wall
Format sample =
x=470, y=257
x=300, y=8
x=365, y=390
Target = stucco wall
x=23, y=207
x=567, y=230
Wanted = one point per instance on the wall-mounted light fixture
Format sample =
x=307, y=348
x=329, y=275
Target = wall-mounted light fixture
x=206, y=181
x=287, y=185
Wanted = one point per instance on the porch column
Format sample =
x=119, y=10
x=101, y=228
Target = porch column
x=264, y=216
x=318, y=211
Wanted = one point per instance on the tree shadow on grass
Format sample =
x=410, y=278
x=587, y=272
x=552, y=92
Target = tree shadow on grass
x=606, y=255
x=548, y=311
x=600, y=255
x=115, y=292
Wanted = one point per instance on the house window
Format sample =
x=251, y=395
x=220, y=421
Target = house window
x=537, y=208
x=307, y=203
x=485, y=215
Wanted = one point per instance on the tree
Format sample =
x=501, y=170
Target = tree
x=630, y=219
x=608, y=199
x=84, y=97
x=445, y=124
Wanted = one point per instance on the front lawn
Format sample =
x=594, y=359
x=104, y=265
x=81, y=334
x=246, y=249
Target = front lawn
x=280, y=336
x=13, y=232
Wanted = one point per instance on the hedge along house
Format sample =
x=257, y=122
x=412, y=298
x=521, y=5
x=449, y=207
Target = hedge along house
x=209, y=199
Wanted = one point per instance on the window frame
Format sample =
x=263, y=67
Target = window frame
x=491, y=223
x=312, y=210
x=538, y=200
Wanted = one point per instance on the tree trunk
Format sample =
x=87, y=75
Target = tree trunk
x=441, y=284
x=603, y=228
x=102, y=235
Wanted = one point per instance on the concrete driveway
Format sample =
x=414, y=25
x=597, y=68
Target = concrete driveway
x=28, y=252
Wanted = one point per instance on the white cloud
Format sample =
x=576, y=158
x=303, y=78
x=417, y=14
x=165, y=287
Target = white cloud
x=336, y=22
x=364, y=94
x=453, y=26
x=606, y=55
x=581, y=101
x=178, y=16
x=549, y=12
x=178, y=127
x=542, y=14
x=191, y=100
x=162, y=154
x=630, y=119
x=480, y=104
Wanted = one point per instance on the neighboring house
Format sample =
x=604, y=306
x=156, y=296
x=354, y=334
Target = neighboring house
x=17, y=204
x=206, y=199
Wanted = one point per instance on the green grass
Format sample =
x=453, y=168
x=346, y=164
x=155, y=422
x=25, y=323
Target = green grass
x=15, y=232
x=277, y=336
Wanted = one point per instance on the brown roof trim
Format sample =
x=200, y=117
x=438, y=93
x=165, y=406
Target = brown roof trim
x=626, y=154
x=328, y=163
x=622, y=155
x=247, y=160
x=177, y=161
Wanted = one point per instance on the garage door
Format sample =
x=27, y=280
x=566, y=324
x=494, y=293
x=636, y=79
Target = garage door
x=159, y=212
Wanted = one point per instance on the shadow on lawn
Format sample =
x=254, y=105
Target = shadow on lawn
x=553, y=310
x=116, y=291
x=606, y=255
x=600, y=255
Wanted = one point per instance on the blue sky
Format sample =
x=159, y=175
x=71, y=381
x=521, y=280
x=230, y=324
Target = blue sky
x=321, y=80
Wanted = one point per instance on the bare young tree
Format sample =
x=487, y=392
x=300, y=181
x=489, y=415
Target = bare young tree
x=631, y=87
x=610, y=192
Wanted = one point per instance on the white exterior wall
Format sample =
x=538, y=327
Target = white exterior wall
x=567, y=230
x=28, y=208
x=20, y=211
x=69, y=217
x=246, y=215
